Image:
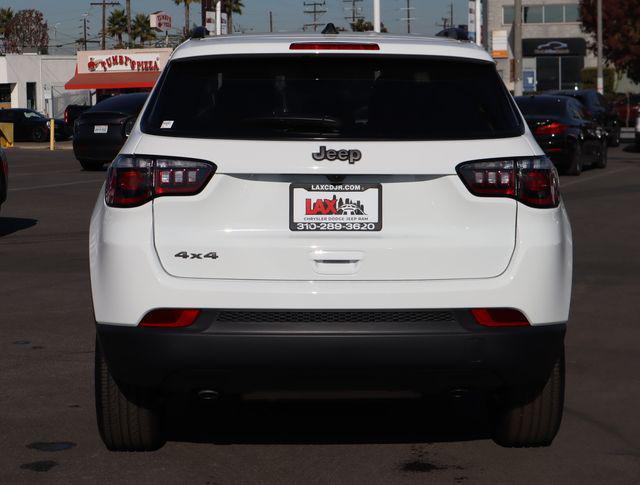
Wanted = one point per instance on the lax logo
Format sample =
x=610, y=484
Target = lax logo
x=334, y=206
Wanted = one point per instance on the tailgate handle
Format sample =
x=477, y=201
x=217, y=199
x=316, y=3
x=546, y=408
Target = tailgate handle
x=336, y=262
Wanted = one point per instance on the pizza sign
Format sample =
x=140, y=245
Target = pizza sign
x=121, y=62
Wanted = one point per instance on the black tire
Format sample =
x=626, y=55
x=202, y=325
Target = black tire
x=603, y=157
x=39, y=134
x=91, y=165
x=575, y=163
x=531, y=417
x=614, y=140
x=128, y=416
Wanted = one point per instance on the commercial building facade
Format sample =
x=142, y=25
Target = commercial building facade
x=36, y=82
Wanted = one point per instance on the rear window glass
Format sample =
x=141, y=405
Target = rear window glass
x=315, y=97
x=542, y=106
x=124, y=103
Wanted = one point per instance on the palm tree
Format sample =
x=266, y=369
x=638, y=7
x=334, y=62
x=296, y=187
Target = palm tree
x=6, y=15
x=117, y=25
x=141, y=28
x=187, y=7
x=231, y=7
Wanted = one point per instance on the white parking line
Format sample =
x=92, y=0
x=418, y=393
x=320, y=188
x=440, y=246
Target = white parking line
x=605, y=174
x=35, y=187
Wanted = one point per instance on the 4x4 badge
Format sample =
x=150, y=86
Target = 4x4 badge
x=351, y=155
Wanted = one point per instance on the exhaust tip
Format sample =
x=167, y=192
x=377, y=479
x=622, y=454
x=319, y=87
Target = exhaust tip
x=208, y=394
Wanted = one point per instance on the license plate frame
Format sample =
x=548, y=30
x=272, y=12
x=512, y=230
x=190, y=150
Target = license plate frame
x=353, y=215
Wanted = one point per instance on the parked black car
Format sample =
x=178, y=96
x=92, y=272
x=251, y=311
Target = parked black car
x=29, y=125
x=567, y=134
x=101, y=131
x=603, y=111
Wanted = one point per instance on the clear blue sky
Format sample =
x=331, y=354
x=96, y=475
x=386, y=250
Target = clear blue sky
x=66, y=15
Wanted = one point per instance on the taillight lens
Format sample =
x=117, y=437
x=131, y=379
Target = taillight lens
x=499, y=317
x=133, y=181
x=532, y=181
x=170, y=318
x=554, y=128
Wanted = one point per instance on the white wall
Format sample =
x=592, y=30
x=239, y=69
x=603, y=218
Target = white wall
x=20, y=69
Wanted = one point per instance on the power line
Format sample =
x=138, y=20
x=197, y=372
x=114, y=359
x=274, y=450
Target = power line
x=317, y=9
x=355, y=11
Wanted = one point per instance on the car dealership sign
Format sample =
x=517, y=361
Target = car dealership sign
x=572, y=46
x=124, y=60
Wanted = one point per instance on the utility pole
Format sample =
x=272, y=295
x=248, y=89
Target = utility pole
x=354, y=11
x=104, y=4
x=408, y=18
x=451, y=14
x=478, y=21
x=317, y=10
x=377, y=21
x=219, y=18
x=270, y=21
x=600, y=74
x=84, y=31
x=517, y=48
x=129, y=23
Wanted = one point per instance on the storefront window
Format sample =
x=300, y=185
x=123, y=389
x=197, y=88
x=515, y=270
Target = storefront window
x=553, y=13
x=5, y=93
x=570, y=68
x=571, y=13
x=548, y=73
x=532, y=14
x=507, y=15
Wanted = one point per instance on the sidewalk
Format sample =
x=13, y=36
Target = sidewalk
x=60, y=145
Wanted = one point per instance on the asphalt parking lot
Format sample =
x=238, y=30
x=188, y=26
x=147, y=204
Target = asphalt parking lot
x=47, y=423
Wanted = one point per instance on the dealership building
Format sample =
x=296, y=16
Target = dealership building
x=554, y=48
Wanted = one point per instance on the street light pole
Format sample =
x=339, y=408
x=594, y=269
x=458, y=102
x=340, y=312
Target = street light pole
x=219, y=17
x=478, y=21
x=517, y=47
x=600, y=84
x=376, y=16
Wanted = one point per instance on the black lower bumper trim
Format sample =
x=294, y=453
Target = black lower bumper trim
x=244, y=356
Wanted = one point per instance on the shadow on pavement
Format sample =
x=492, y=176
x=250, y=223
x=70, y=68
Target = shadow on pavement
x=9, y=225
x=329, y=421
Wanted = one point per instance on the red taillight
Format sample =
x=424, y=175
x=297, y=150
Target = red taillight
x=170, y=318
x=532, y=181
x=333, y=46
x=66, y=116
x=554, y=128
x=499, y=317
x=133, y=181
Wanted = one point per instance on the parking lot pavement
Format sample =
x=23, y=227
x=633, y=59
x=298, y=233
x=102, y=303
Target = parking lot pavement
x=47, y=424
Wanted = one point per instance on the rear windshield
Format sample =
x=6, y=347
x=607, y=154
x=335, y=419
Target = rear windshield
x=315, y=97
x=124, y=103
x=542, y=106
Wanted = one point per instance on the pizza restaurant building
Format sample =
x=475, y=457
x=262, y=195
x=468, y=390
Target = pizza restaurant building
x=111, y=72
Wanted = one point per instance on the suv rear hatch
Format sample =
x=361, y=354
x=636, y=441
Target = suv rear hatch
x=333, y=167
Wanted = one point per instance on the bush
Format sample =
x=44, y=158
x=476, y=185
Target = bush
x=588, y=79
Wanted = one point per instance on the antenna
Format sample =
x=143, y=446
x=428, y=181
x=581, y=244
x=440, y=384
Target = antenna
x=317, y=9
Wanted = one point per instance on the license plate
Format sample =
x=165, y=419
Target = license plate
x=335, y=207
x=101, y=128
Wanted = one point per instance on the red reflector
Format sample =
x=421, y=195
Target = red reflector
x=499, y=317
x=170, y=317
x=554, y=128
x=333, y=46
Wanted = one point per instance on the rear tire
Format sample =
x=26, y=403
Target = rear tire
x=614, y=141
x=531, y=417
x=603, y=157
x=128, y=416
x=90, y=165
x=575, y=165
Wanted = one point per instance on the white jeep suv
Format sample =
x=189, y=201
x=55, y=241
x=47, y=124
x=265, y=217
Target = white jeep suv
x=359, y=211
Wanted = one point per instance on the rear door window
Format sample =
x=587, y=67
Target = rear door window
x=341, y=97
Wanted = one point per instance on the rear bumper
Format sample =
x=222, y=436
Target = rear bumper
x=430, y=356
x=104, y=150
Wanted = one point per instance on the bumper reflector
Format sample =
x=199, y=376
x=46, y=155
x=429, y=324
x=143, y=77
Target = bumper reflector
x=499, y=317
x=170, y=318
